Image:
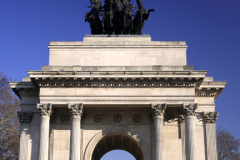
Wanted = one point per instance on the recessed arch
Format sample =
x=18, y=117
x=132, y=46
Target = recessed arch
x=122, y=136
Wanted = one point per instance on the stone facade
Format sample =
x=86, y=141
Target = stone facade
x=125, y=92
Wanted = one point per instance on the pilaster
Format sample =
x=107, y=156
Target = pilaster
x=24, y=119
x=211, y=142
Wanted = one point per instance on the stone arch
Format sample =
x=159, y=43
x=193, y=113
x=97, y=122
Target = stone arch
x=116, y=132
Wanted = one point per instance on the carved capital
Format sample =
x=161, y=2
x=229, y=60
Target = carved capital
x=45, y=109
x=181, y=119
x=211, y=117
x=189, y=109
x=76, y=109
x=25, y=117
x=158, y=109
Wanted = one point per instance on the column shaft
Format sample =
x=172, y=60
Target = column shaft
x=158, y=112
x=76, y=111
x=44, y=137
x=158, y=137
x=75, y=138
x=190, y=138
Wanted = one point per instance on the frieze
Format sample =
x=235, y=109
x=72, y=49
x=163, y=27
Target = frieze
x=211, y=117
x=137, y=118
x=98, y=118
x=64, y=118
x=25, y=117
x=117, y=118
x=76, y=109
x=158, y=109
x=45, y=108
x=189, y=109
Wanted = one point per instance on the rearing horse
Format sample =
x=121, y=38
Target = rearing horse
x=93, y=17
x=127, y=20
x=108, y=17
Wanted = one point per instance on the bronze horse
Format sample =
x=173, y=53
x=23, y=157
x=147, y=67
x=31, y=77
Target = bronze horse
x=112, y=16
x=93, y=17
x=140, y=17
x=127, y=20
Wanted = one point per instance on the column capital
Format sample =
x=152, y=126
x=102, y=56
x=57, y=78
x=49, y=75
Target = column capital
x=189, y=109
x=158, y=109
x=24, y=117
x=210, y=117
x=76, y=109
x=45, y=108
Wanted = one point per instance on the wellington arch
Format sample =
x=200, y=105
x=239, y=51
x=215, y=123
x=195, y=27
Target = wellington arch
x=123, y=92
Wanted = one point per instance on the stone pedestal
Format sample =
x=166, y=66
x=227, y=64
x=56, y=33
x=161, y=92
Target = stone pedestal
x=158, y=116
x=76, y=111
x=45, y=113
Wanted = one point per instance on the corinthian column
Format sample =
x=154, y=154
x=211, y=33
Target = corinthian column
x=76, y=111
x=158, y=112
x=211, y=139
x=24, y=119
x=45, y=113
x=190, y=143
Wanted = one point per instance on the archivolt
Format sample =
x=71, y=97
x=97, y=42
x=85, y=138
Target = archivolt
x=116, y=138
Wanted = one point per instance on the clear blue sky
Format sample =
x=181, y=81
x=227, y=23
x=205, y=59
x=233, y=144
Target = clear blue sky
x=211, y=29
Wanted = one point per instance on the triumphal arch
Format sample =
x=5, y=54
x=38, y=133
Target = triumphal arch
x=118, y=92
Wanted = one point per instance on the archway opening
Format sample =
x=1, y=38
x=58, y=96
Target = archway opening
x=118, y=155
x=117, y=141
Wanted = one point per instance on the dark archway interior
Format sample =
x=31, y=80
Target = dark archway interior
x=117, y=142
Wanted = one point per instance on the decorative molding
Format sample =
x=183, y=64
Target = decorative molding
x=189, y=109
x=211, y=117
x=118, y=85
x=181, y=119
x=45, y=108
x=76, y=109
x=117, y=118
x=98, y=118
x=64, y=118
x=28, y=94
x=137, y=118
x=25, y=117
x=158, y=110
x=116, y=100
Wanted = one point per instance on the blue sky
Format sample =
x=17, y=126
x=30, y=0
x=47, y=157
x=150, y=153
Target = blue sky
x=211, y=29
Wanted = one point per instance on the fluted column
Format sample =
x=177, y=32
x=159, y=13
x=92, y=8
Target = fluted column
x=211, y=138
x=190, y=143
x=158, y=112
x=45, y=113
x=24, y=119
x=76, y=111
